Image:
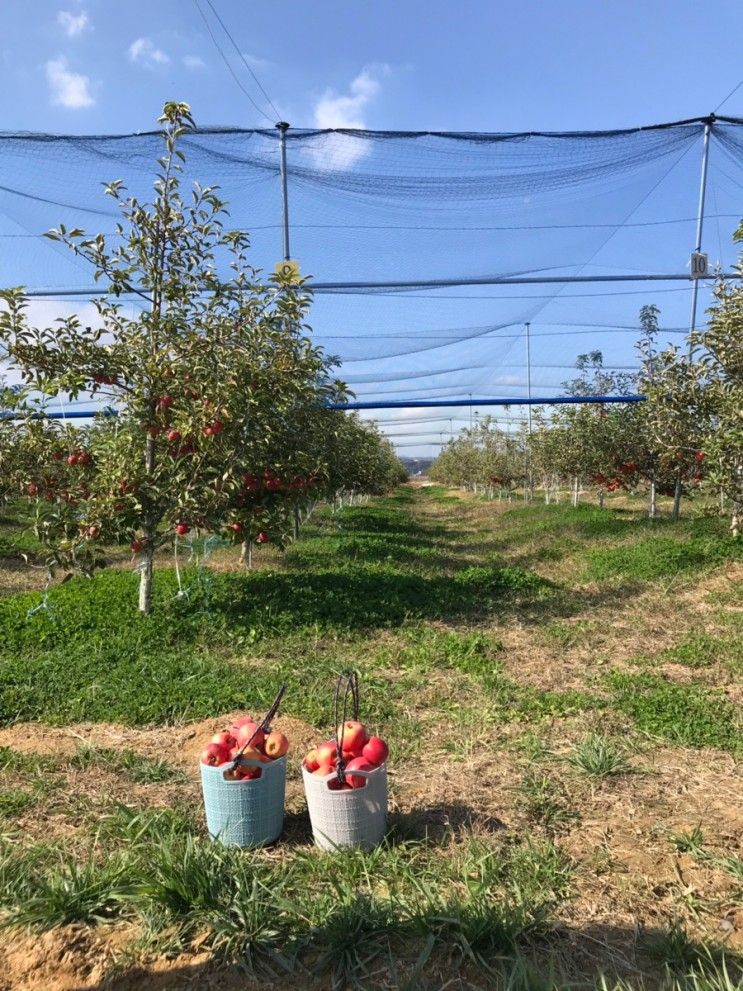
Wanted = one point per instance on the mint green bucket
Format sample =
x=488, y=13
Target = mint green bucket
x=245, y=813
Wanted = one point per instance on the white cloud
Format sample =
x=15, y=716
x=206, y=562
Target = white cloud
x=73, y=24
x=256, y=62
x=144, y=51
x=346, y=111
x=68, y=89
x=193, y=62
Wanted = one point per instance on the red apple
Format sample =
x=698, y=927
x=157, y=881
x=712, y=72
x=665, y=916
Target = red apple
x=375, y=751
x=262, y=538
x=182, y=529
x=246, y=730
x=251, y=773
x=84, y=458
x=336, y=785
x=93, y=531
x=322, y=771
x=311, y=762
x=165, y=402
x=215, y=755
x=249, y=753
x=224, y=740
x=136, y=546
x=217, y=427
x=276, y=745
x=352, y=736
x=234, y=774
x=174, y=436
x=154, y=431
x=72, y=459
x=357, y=764
x=32, y=489
x=327, y=753
x=235, y=527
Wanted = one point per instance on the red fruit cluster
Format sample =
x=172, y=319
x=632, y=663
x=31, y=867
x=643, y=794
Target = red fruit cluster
x=271, y=482
x=224, y=747
x=84, y=458
x=358, y=750
x=102, y=379
x=213, y=429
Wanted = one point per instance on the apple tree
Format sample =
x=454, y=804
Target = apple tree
x=207, y=379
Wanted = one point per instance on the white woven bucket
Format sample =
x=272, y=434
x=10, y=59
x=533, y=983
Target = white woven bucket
x=355, y=818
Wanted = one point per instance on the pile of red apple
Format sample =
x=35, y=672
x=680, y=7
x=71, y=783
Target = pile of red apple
x=224, y=748
x=360, y=752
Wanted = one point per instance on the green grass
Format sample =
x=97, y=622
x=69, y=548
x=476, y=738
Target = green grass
x=329, y=914
x=15, y=801
x=415, y=601
x=598, y=757
x=90, y=656
x=703, y=650
x=655, y=557
x=546, y=802
x=689, y=714
x=127, y=763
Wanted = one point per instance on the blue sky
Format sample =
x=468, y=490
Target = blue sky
x=99, y=67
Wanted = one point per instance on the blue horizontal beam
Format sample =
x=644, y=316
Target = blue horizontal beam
x=539, y=401
x=80, y=414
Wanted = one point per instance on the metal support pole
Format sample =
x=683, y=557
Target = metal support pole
x=528, y=371
x=700, y=216
x=282, y=127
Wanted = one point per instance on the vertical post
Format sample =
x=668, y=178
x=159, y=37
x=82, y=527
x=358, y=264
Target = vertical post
x=700, y=216
x=528, y=373
x=282, y=127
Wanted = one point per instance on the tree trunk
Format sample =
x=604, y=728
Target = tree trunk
x=677, y=499
x=653, y=511
x=736, y=521
x=145, y=578
x=297, y=521
x=575, y=491
x=601, y=498
x=246, y=554
x=148, y=538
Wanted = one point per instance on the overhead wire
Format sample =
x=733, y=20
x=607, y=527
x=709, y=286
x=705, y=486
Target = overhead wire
x=228, y=63
x=245, y=62
x=732, y=92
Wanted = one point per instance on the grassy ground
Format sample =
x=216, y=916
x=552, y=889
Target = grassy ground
x=561, y=691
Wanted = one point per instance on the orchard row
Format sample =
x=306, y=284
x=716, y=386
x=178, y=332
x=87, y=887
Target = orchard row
x=222, y=398
x=685, y=438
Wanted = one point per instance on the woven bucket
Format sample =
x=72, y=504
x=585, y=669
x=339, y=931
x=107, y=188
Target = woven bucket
x=356, y=818
x=245, y=813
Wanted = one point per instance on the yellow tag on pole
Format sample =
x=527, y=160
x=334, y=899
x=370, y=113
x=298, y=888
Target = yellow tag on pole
x=288, y=271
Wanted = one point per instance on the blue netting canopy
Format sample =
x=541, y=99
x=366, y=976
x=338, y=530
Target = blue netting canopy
x=430, y=251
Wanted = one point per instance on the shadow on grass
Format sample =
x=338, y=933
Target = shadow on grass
x=451, y=949
x=435, y=823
